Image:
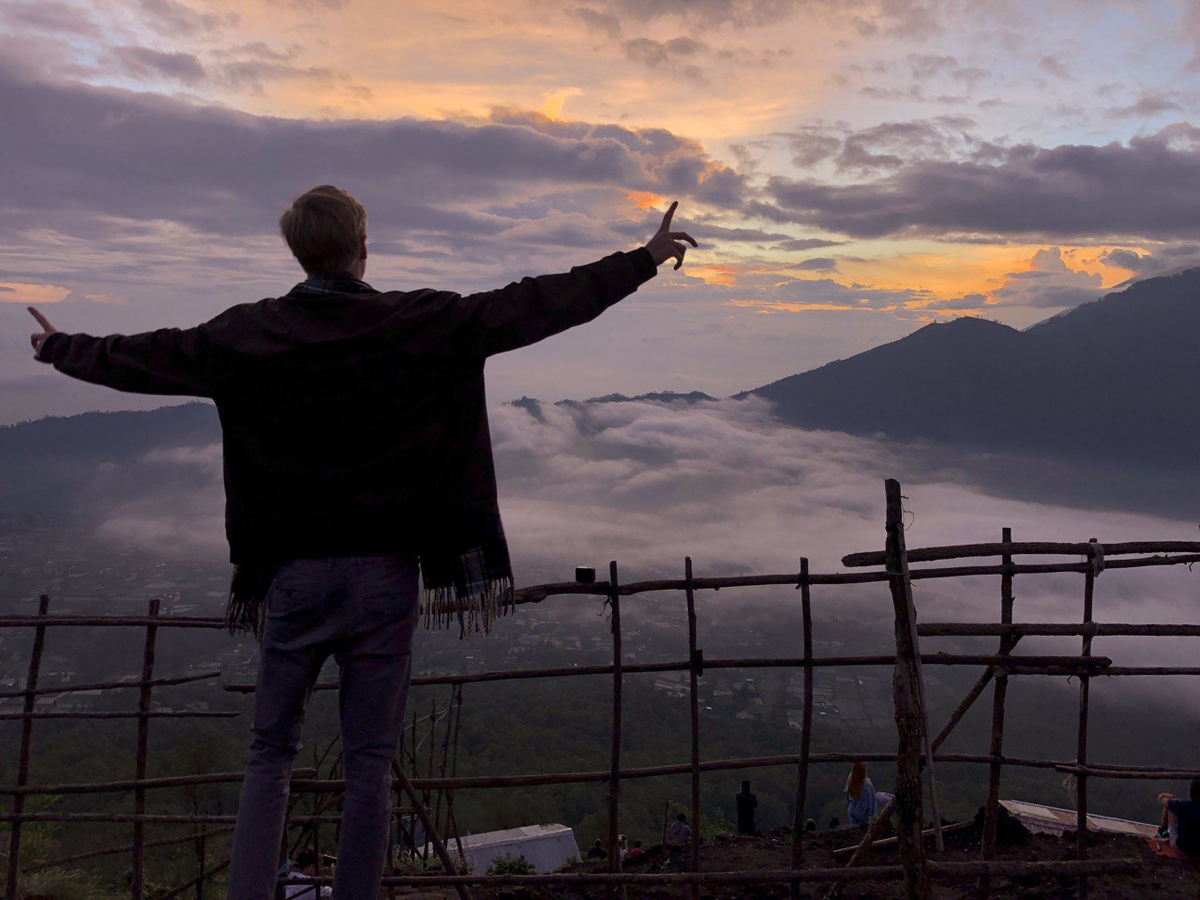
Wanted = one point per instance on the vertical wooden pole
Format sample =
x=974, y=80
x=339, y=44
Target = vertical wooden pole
x=143, y=736
x=316, y=826
x=806, y=726
x=31, y=683
x=416, y=774
x=696, y=666
x=909, y=705
x=427, y=795
x=441, y=794
x=451, y=821
x=397, y=821
x=806, y=722
x=991, y=811
x=1081, y=779
x=614, y=772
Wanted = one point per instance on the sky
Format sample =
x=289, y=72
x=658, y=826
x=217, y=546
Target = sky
x=852, y=169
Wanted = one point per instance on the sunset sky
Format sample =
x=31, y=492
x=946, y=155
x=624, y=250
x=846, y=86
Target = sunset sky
x=852, y=169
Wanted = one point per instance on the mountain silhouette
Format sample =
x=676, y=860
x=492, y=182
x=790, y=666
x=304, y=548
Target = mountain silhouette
x=1109, y=381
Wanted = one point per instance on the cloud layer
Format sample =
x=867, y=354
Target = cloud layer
x=648, y=483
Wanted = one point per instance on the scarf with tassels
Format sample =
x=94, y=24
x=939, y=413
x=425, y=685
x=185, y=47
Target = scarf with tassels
x=471, y=587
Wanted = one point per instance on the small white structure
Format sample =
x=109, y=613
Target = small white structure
x=545, y=847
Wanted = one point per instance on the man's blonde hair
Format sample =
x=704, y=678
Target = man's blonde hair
x=324, y=228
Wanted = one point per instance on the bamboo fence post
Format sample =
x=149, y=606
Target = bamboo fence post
x=316, y=826
x=437, y=809
x=806, y=721
x=426, y=795
x=1007, y=642
x=396, y=818
x=451, y=820
x=696, y=666
x=31, y=680
x=1081, y=778
x=909, y=705
x=614, y=776
x=416, y=775
x=143, y=737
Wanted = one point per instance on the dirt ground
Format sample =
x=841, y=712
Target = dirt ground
x=1158, y=879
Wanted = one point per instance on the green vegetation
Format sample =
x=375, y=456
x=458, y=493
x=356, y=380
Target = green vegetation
x=508, y=864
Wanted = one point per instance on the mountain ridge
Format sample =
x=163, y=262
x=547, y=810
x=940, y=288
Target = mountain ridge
x=1095, y=382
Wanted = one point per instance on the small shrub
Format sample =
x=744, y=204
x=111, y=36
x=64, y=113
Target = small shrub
x=510, y=865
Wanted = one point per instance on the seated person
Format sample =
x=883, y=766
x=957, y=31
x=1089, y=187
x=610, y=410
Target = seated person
x=597, y=851
x=1181, y=819
x=636, y=852
x=860, y=796
x=305, y=867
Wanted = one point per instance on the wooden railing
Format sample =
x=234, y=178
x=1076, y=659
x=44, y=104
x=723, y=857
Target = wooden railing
x=431, y=798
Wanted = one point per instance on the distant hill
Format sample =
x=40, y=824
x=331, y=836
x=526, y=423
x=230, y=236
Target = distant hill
x=110, y=436
x=62, y=467
x=1110, y=381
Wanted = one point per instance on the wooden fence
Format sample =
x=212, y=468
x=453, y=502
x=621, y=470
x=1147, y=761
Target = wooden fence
x=430, y=799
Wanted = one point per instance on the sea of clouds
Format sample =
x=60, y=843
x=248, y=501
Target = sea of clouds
x=647, y=483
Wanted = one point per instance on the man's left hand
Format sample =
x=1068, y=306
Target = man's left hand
x=667, y=243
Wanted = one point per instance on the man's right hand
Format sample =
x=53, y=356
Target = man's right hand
x=47, y=329
x=666, y=244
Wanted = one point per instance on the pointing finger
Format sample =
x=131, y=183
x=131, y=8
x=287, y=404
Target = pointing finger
x=41, y=320
x=666, y=222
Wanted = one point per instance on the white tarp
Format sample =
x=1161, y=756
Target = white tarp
x=546, y=847
x=1053, y=820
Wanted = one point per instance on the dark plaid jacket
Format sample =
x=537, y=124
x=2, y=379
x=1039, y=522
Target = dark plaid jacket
x=353, y=421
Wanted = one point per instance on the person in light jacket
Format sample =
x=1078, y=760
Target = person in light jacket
x=860, y=796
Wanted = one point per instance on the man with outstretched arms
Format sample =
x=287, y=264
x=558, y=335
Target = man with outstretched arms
x=356, y=456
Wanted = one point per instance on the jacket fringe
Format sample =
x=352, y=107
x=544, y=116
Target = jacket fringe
x=246, y=611
x=474, y=612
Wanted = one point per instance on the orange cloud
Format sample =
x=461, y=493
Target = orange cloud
x=955, y=270
x=31, y=294
x=777, y=306
x=553, y=107
x=723, y=275
x=645, y=199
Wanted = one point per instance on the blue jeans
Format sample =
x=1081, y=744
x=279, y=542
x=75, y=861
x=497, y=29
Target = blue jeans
x=362, y=610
